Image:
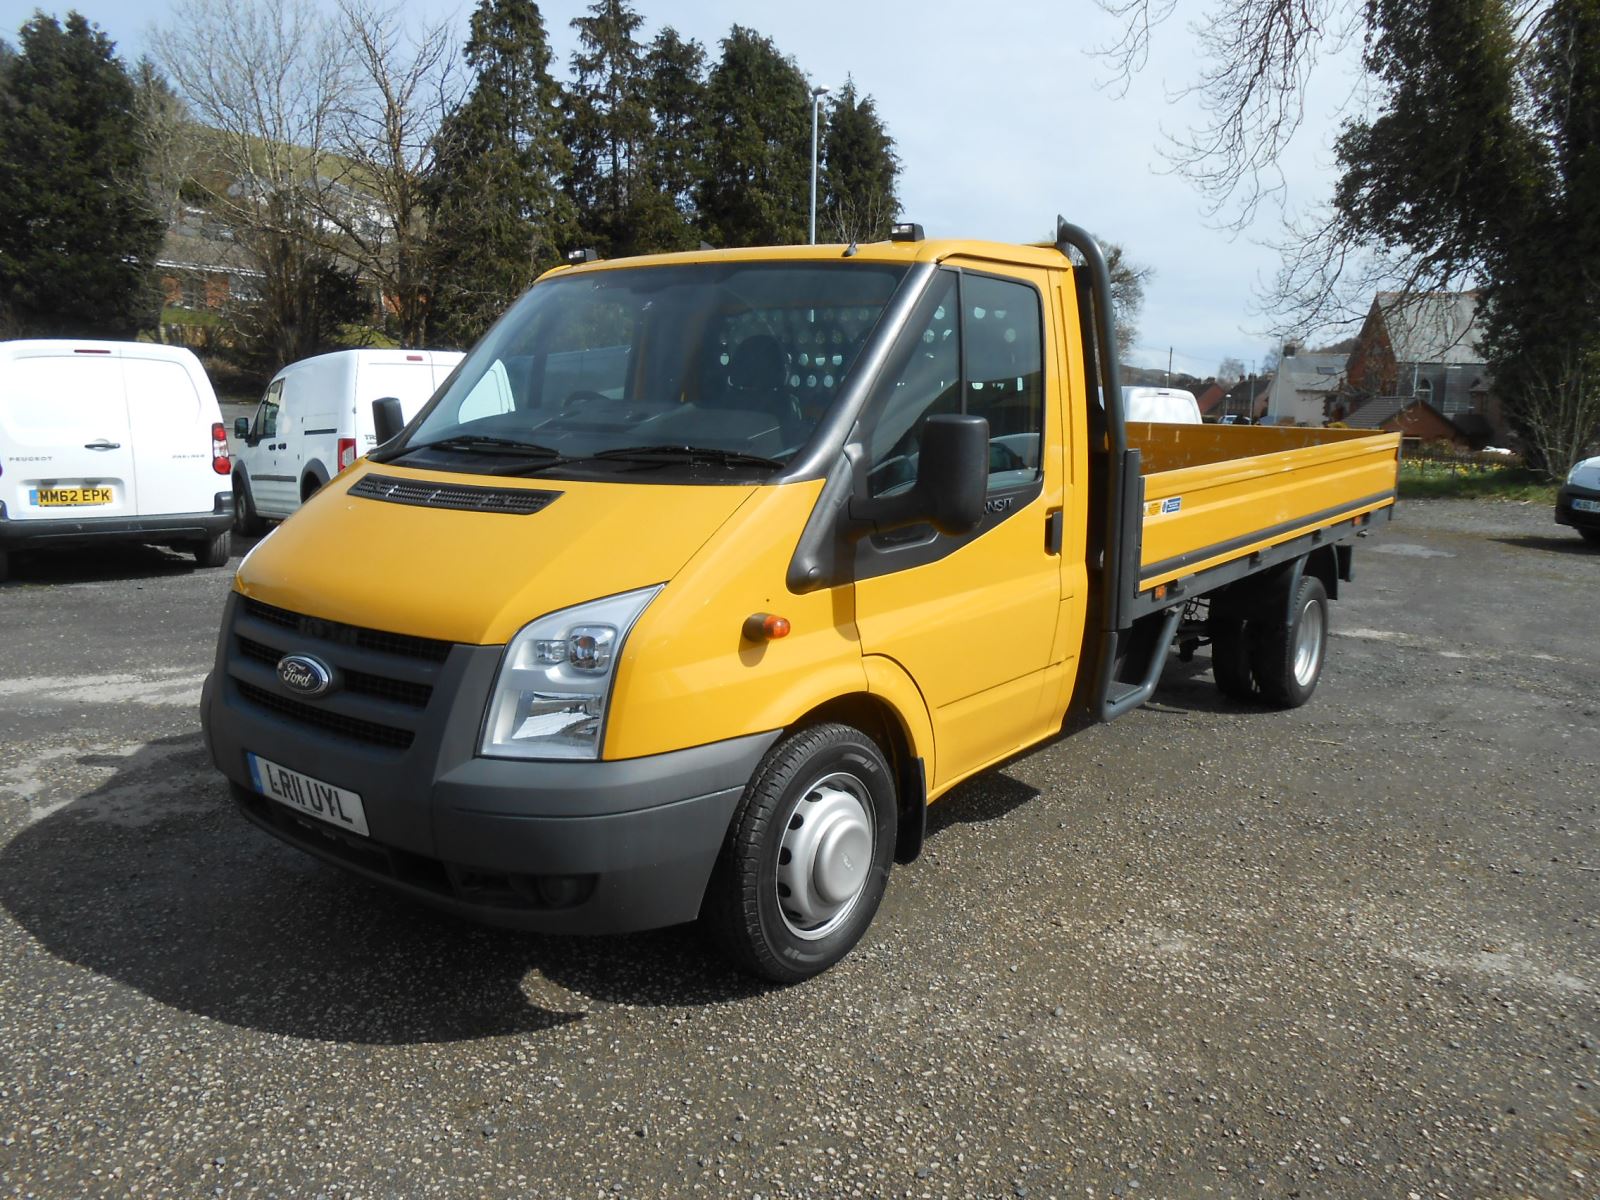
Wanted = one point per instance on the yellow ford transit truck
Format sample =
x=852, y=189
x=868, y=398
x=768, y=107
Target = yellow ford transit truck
x=705, y=574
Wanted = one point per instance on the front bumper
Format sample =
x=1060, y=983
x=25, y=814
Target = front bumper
x=1567, y=514
x=71, y=530
x=561, y=847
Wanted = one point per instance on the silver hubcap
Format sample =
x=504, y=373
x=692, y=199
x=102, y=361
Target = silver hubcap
x=1308, y=644
x=825, y=856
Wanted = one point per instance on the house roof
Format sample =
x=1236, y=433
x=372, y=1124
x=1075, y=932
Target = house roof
x=1374, y=413
x=1435, y=327
x=1209, y=399
x=1313, y=373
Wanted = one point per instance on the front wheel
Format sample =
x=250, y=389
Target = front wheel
x=807, y=855
x=1287, y=656
x=246, y=520
x=1592, y=536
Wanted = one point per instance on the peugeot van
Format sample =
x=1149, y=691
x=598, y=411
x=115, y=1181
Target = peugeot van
x=111, y=441
x=1164, y=406
x=316, y=419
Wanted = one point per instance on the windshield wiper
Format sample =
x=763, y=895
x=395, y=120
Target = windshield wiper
x=483, y=443
x=671, y=452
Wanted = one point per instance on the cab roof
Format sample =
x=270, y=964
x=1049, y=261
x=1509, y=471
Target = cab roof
x=931, y=250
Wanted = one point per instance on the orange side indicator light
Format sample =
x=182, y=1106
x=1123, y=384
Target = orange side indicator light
x=764, y=627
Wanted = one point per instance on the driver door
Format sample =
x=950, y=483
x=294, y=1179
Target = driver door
x=972, y=618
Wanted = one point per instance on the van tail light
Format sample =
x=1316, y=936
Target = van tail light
x=347, y=452
x=219, y=449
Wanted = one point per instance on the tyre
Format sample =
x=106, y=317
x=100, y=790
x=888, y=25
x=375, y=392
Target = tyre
x=1230, y=658
x=5, y=565
x=213, y=553
x=1286, y=657
x=1592, y=536
x=807, y=855
x=246, y=521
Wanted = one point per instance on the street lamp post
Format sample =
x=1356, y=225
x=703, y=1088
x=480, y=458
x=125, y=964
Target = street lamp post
x=816, y=100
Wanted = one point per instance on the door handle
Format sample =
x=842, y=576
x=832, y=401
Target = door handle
x=1052, y=532
x=102, y=444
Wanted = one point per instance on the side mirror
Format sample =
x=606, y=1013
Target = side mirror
x=387, y=419
x=952, y=479
x=241, y=427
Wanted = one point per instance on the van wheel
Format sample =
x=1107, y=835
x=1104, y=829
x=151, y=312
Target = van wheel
x=246, y=520
x=807, y=855
x=214, y=553
x=1230, y=659
x=5, y=565
x=1287, y=657
x=1592, y=536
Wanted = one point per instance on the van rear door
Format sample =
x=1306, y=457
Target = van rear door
x=408, y=377
x=66, y=448
x=171, y=438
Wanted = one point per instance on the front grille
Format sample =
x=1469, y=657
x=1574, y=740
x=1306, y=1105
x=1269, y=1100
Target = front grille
x=401, y=691
x=354, y=728
x=350, y=635
x=517, y=501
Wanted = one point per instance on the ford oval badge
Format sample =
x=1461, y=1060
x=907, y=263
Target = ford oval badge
x=304, y=675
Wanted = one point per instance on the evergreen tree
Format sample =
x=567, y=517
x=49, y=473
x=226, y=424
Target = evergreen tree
x=757, y=178
x=1472, y=164
x=78, y=234
x=608, y=125
x=500, y=216
x=858, y=172
x=676, y=87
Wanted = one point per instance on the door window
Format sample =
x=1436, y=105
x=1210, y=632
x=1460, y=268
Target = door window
x=266, y=423
x=974, y=346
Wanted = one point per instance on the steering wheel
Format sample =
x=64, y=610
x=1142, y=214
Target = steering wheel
x=581, y=397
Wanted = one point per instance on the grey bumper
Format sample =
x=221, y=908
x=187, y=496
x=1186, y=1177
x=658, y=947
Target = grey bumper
x=565, y=847
x=1566, y=514
x=77, y=530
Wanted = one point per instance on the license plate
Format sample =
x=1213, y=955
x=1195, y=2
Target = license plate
x=1587, y=505
x=313, y=797
x=68, y=497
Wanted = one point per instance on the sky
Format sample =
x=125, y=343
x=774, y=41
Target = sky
x=1001, y=119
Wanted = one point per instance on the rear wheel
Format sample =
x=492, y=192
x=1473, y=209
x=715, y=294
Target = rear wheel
x=807, y=855
x=213, y=553
x=1287, y=657
x=1230, y=658
x=246, y=520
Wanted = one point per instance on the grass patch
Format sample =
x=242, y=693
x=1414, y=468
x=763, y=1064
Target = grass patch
x=1435, y=481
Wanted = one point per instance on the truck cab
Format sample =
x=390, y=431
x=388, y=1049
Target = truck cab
x=705, y=574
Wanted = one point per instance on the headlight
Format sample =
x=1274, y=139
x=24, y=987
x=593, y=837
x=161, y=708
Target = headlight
x=549, y=699
x=1572, y=475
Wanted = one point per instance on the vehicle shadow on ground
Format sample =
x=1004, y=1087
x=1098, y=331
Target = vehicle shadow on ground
x=153, y=880
x=101, y=564
x=986, y=797
x=1572, y=544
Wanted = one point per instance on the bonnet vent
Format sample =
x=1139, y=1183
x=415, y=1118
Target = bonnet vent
x=518, y=501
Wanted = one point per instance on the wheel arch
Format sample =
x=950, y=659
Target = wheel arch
x=316, y=475
x=882, y=721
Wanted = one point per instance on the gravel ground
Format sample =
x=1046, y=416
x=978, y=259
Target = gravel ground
x=1349, y=950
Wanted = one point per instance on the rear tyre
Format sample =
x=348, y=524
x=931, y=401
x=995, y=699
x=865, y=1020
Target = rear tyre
x=1230, y=659
x=807, y=855
x=246, y=521
x=1287, y=657
x=213, y=553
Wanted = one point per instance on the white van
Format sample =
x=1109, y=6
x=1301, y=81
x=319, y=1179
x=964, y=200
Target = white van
x=316, y=419
x=1166, y=406
x=111, y=441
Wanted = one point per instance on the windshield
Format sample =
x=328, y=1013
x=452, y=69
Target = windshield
x=708, y=369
